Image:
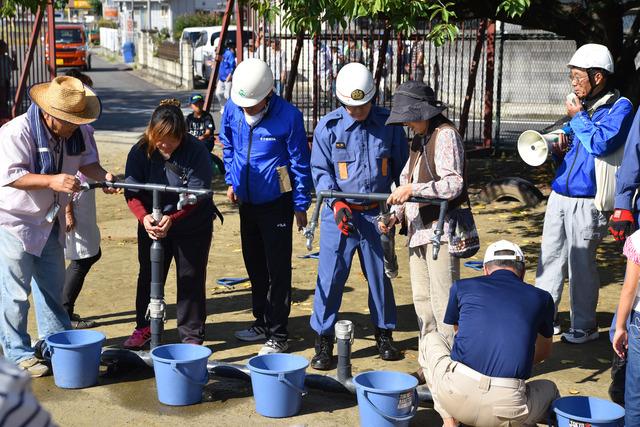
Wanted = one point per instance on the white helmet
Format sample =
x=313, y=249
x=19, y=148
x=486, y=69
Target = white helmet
x=592, y=56
x=252, y=82
x=354, y=85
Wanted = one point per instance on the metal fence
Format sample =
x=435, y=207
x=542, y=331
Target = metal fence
x=496, y=82
x=446, y=68
x=16, y=32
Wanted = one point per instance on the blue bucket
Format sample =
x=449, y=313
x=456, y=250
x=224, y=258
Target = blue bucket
x=181, y=373
x=278, y=383
x=386, y=398
x=75, y=357
x=582, y=411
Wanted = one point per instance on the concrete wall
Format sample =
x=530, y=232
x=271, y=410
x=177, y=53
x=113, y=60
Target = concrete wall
x=177, y=74
x=110, y=39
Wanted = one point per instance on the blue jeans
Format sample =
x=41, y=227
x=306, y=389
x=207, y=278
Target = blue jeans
x=20, y=273
x=632, y=385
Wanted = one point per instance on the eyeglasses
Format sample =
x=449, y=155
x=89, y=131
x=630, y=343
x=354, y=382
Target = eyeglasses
x=577, y=79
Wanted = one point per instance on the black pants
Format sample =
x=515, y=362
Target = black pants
x=266, y=248
x=191, y=253
x=74, y=280
x=618, y=379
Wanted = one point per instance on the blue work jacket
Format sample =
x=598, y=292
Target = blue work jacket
x=253, y=154
x=628, y=176
x=596, y=136
x=357, y=157
x=227, y=65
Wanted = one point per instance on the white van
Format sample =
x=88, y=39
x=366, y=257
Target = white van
x=206, y=43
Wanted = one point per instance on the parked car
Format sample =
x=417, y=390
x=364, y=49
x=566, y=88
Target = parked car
x=206, y=44
x=72, y=46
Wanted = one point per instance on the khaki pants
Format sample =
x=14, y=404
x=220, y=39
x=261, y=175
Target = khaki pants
x=482, y=401
x=431, y=281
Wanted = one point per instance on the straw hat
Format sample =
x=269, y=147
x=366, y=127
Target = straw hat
x=66, y=98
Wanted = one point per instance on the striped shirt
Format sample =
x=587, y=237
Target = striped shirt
x=18, y=405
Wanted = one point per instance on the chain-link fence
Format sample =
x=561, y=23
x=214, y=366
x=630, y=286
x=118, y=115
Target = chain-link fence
x=531, y=82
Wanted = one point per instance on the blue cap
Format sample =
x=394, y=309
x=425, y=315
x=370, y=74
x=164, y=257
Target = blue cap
x=196, y=97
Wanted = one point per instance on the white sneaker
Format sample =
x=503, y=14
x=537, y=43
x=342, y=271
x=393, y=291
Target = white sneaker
x=254, y=333
x=556, y=329
x=273, y=346
x=34, y=367
x=580, y=336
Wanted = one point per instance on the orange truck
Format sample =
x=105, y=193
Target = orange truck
x=72, y=46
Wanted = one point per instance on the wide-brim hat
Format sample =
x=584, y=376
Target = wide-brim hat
x=66, y=98
x=413, y=102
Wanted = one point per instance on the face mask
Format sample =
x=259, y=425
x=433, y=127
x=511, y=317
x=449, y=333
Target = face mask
x=252, y=120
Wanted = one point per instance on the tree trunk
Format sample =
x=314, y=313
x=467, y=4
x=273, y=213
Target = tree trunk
x=382, y=53
x=293, y=72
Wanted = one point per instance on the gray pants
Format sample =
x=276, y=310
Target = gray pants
x=223, y=92
x=431, y=281
x=573, y=229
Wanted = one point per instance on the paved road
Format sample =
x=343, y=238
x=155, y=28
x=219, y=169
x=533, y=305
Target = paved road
x=127, y=100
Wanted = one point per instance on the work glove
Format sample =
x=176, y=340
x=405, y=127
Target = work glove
x=622, y=224
x=342, y=214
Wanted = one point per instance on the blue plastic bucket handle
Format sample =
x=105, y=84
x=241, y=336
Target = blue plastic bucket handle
x=283, y=379
x=394, y=418
x=231, y=281
x=476, y=265
x=202, y=382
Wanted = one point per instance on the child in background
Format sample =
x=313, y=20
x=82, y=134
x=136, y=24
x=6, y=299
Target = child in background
x=200, y=124
x=626, y=340
x=83, y=236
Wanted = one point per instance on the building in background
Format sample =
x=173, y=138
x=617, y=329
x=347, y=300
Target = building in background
x=137, y=15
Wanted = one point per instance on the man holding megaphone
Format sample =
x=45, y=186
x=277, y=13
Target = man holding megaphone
x=579, y=205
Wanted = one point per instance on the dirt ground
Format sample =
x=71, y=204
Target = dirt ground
x=130, y=399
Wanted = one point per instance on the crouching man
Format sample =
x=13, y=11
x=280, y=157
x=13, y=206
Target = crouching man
x=503, y=326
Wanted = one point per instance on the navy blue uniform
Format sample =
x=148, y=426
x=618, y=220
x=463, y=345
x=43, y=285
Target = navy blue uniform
x=499, y=318
x=357, y=157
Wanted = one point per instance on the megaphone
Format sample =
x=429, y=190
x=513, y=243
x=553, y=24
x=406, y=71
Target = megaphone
x=534, y=147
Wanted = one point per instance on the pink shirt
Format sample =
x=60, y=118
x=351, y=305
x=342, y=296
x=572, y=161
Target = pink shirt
x=449, y=157
x=22, y=212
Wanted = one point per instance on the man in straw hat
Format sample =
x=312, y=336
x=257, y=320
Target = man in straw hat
x=40, y=153
x=435, y=170
x=480, y=380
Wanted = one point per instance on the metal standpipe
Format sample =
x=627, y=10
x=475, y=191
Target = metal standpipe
x=157, y=307
x=309, y=231
x=342, y=382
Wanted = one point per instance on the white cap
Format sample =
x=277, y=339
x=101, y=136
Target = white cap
x=354, y=85
x=503, y=245
x=252, y=82
x=592, y=55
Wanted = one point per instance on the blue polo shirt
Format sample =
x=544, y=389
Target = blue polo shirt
x=499, y=318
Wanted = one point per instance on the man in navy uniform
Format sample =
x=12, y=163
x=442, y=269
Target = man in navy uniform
x=503, y=327
x=354, y=151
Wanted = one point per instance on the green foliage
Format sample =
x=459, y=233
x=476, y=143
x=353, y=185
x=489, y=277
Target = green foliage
x=513, y=8
x=8, y=8
x=402, y=15
x=194, y=20
x=96, y=7
x=107, y=23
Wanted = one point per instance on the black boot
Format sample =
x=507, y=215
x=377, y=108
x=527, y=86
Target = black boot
x=384, y=341
x=324, y=353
